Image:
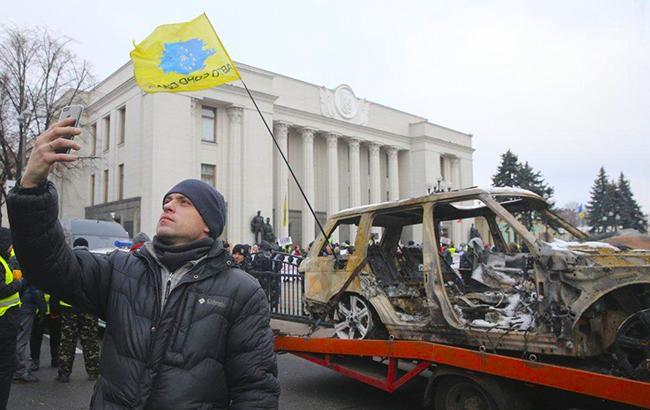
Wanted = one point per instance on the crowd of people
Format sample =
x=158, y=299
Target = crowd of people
x=158, y=349
x=38, y=313
x=27, y=314
x=35, y=313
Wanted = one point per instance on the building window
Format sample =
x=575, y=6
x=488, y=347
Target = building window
x=93, y=139
x=107, y=132
x=121, y=125
x=208, y=124
x=92, y=189
x=120, y=175
x=105, y=198
x=209, y=174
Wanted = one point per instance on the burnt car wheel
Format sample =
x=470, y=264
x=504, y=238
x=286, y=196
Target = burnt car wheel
x=354, y=318
x=459, y=393
x=633, y=345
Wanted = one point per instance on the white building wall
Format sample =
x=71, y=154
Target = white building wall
x=257, y=171
x=163, y=146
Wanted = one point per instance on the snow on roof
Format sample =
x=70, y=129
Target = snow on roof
x=509, y=190
x=560, y=245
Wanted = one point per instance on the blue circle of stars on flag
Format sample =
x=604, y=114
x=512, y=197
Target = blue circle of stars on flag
x=184, y=57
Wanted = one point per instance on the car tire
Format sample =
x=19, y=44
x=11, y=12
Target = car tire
x=459, y=393
x=355, y=319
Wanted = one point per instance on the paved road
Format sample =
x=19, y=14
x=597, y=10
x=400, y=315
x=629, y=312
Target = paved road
x=305, y=386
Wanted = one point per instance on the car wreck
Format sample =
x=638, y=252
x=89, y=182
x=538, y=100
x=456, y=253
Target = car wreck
x=564, y=299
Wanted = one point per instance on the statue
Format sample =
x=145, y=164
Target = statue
x=257, y=226
x=473, y=232
x=267, y=231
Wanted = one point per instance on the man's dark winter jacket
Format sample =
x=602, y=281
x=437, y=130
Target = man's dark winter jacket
x=209, y=347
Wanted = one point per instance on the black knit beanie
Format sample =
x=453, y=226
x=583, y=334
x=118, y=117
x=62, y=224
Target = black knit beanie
x=207, y=200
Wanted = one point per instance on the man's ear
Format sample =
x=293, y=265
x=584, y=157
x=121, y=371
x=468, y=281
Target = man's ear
x=206, y=230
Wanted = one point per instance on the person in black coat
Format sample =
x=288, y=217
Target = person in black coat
x=10, y=305
x=184, y=328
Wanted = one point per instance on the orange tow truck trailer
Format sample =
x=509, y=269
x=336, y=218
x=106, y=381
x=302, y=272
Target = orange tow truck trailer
x=460, y=378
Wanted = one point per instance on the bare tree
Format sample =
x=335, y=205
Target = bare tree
x=39, y=75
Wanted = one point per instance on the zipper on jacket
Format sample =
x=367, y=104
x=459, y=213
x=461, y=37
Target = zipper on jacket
x=168, y=287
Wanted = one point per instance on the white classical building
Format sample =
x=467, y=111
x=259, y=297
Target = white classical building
x=345, y=152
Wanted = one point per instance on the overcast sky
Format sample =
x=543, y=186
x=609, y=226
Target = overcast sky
x=563, y=84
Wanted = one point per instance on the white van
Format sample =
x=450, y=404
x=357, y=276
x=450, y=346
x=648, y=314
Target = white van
x=99, y=234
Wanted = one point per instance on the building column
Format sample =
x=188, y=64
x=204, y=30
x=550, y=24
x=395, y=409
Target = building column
x=457, y=230
x=281, y=131
x=308, y=222
x=234, y=199
x=375, y=174
x=333, y=177
x=355, y=179
x=446, y=171
x=455, y=173
x=466, y=181
x=375, y=180
x=393, y=174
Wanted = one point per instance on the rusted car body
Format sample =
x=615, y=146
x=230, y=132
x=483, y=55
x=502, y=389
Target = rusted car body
x=577, y=299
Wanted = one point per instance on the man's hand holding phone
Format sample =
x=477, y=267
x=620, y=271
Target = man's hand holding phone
x=44, y=154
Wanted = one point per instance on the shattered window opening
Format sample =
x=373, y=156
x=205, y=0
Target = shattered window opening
x=490, y=284
x=396, y=260
x=342, y=241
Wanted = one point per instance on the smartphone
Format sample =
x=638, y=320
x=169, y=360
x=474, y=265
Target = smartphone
x=70, y=111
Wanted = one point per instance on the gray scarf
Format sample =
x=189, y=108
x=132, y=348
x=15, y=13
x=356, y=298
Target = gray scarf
x=175, y=256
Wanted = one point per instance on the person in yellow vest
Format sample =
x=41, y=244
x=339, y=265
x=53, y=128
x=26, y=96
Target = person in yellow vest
x=49, y=319
x=9, y=304
x=31, y=300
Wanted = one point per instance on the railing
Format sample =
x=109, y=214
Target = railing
x=284, y=287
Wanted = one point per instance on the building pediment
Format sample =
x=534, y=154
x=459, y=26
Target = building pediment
x=341, y=104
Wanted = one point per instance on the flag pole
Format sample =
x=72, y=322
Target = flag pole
x=286, y=161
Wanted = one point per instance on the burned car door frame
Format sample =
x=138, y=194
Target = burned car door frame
x=323, y=279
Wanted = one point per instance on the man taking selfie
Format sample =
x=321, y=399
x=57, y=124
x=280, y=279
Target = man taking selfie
x=185, y=329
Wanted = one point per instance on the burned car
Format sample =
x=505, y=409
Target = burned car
x=509, y=291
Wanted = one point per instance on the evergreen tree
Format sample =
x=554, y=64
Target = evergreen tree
x=609, y=207
x=597, y=206
x=533, y=180
x=507, y=172
x=528, y=178
x=627, y=208
x=512, y=173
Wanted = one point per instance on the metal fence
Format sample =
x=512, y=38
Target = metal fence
x=284, y=287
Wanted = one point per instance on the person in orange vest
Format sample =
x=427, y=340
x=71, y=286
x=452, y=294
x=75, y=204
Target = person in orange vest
x=9, y=304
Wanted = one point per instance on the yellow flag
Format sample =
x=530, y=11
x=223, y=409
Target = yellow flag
x=182, y=57
x=285, y=211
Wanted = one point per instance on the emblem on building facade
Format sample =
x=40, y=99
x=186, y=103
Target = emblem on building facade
x=342, y=104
